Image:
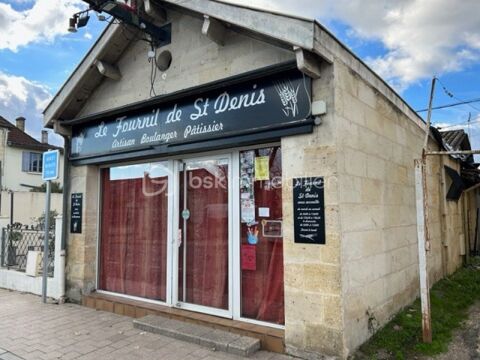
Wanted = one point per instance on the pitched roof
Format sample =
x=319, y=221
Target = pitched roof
x=4, y=123
x=279, y=29
x=20, y=139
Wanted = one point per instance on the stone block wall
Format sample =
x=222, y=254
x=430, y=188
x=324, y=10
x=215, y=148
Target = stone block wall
x=473, y=201
x=313, y=284
x=80, y=269
x=377, y=145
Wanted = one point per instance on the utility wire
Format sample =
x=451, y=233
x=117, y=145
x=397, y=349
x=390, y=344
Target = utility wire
x=450, y=94
x=452, y=105
x=460, y=124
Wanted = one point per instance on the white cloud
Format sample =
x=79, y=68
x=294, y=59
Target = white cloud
x=22, y=97
x=43, y=22
x=421, y=37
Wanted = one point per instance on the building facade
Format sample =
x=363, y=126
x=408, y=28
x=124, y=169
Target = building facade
x=265, y=175
x=21, y=157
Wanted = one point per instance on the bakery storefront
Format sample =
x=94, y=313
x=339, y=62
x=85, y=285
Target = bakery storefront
x=190, y=194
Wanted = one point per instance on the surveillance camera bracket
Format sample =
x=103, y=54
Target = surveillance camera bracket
x=160, y=35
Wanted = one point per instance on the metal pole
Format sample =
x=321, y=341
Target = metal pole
x=454, y=152
x=4, y=243
x=429, y=114
x=45, y=242
x=11, y=207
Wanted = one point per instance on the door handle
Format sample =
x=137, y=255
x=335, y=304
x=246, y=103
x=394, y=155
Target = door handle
x=179, y=237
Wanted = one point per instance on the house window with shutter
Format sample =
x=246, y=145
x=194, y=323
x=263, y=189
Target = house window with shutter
x=32, y=162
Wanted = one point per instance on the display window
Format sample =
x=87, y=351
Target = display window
x=224, y=253
x=261, y=235
x=204, y=225
x=134, y=220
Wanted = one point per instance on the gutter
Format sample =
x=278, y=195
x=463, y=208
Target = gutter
x=63, y=243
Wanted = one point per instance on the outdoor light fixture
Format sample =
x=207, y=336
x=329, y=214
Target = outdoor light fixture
x=72, y=24
x=100, y=16
x=129, y=13
x=83, y=20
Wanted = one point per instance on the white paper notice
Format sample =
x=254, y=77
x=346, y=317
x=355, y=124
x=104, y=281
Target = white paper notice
x=248, y=214
x=264, y=212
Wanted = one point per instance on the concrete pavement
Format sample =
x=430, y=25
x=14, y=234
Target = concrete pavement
x=32, y=330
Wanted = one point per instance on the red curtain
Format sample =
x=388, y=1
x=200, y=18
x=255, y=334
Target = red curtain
x=133, y=246
x=263, y=289
x=207, y=237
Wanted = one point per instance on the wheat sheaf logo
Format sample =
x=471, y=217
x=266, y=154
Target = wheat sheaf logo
x=289, y=96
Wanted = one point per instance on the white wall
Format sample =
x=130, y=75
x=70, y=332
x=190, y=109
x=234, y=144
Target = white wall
x=27, y=205
x=13, y=175
x=19, y=281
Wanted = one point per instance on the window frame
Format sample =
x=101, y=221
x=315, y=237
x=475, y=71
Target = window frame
x=32, y=162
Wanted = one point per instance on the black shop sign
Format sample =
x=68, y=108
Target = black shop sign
x=309, y=210
x=76, y=208
x=251, y=107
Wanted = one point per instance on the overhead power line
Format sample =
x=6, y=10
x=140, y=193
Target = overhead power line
x=451, y=105
x=452, y=95
x=460, y=124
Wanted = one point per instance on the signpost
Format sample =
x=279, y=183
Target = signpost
x=51, y=161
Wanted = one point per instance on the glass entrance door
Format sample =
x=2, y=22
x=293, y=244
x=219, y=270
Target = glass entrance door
x=204, y=236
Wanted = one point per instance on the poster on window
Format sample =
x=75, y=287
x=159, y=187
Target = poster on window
x=249, y=257
x=247, y=197
x=262, y=168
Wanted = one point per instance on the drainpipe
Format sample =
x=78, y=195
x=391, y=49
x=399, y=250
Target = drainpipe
x=443, y=217
x=66, y=192
x=66, y=189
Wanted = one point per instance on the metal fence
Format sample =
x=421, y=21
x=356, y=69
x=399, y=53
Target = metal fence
x=18, y=240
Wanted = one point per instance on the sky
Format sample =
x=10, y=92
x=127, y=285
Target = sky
x=407, y=42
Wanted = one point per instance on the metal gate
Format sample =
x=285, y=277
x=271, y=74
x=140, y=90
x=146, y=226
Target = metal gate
x=18, y=240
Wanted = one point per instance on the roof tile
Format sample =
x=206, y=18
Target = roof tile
x=20, y=139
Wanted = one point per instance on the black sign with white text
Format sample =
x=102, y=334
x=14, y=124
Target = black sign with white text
x=76, y=213
x=252, y=107
x=309, y=210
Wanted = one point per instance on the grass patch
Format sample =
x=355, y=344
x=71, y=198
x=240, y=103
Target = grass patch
x=450, y=300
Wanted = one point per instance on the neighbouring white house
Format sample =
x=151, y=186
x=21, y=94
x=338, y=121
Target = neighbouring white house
x=20, y=171
x=21, y=157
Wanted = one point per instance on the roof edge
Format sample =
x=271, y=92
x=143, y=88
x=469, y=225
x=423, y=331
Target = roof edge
x=274, y=12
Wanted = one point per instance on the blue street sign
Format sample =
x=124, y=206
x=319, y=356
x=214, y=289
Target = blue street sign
x=51, y=160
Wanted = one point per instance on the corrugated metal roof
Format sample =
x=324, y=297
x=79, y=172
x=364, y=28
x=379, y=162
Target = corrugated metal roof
x=455, y=138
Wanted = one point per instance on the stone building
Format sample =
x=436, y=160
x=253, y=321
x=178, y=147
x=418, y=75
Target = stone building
x=262, y=181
